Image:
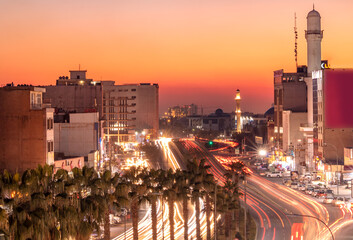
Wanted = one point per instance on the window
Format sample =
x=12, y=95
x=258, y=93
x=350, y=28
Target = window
x=50, y=146
x=36, y=100
x=133, y=90
x=133, y=118
x=50, y=124
x=133, y=104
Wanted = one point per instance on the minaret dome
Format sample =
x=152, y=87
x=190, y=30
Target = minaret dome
x=313, y=21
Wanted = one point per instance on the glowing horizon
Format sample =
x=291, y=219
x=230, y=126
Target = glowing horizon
x=197, y=51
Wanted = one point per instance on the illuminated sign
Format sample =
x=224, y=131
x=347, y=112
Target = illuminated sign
x=325, y=65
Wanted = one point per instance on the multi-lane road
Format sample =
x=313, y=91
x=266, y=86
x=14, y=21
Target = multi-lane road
x=279, y=212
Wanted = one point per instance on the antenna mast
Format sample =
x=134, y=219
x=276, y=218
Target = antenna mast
x=296, y=38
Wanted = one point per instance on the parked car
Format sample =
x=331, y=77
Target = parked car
x=309, y=189
x=286, y=174
x=114, y=219
x=321, y=194
x=338, y=201
x=315, y=192
x=275, y=174
x=328, y=199
x=301, y=187
x=294, y=185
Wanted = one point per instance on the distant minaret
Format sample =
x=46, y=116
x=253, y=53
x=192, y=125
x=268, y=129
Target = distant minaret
x=238, y=111
x=313, y=36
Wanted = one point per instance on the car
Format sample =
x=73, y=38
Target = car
x=321, y=194
x=301, y=187
x=286, y=174
x=114, y=219
x=338, y=201
x=328, y=191
x=328, y=199
x=315, y=192
x=294, y=185
x=275, y=174
x=258, y=163
x=309, y=189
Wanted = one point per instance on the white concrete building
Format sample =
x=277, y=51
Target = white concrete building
x=79, y=136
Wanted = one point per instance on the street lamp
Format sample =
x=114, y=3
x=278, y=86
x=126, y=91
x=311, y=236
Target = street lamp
x=262, y=152
x=309, y=216
x=325, y=145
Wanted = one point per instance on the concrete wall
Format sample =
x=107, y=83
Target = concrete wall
x=339, y=138
x=291, y=125
x=75, y=98
x=294, y=96
x=23, y=135
x=76, y=139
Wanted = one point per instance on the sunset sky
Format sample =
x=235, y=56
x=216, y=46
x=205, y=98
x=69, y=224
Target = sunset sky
x=199, y=51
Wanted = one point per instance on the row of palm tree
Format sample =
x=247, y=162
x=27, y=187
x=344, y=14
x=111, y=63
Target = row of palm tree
x=39, y=204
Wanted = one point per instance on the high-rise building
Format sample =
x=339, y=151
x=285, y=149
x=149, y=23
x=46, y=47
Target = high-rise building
x=124, y=110
x=27, y=128
x=333, y=119
x=289, y=95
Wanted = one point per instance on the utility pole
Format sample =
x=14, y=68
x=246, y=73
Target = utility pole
x=245, y=208
x=215, y=212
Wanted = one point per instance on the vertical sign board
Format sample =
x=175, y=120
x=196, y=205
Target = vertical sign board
x=351, y=188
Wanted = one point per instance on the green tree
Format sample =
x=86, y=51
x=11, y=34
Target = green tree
x=183, y=194
x=137, y=194
x=198, y=173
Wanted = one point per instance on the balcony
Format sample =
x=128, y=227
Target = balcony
x=36, y=106
x=307, y=128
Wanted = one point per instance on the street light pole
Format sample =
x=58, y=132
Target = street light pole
x=245, y=208
x=300, y=215
x=215, y=212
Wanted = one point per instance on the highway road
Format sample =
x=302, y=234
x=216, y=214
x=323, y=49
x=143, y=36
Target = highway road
x=273, y=205
x=145, y=231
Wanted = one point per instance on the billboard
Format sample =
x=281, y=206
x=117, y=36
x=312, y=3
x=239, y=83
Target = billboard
x=338, y=87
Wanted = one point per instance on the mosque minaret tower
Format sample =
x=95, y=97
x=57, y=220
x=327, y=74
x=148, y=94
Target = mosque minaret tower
x=313, y=36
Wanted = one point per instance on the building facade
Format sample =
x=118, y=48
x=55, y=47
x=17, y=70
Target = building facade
x=27, y=128
x=290, y=94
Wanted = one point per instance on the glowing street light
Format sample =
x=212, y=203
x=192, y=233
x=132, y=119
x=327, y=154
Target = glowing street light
x=262, y=152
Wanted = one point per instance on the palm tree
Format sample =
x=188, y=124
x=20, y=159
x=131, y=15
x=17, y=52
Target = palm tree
x=151, y=178
x=183, y=194
x=231, y=196
x=198, y=173
x=136, y=195
x=208, y=192
x=169, y=193
x=236, y=169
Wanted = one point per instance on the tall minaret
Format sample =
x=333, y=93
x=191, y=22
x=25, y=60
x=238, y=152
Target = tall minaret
x=238, y=111
x=313, y=36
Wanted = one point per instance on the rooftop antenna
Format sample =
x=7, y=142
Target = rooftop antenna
x=296, y=38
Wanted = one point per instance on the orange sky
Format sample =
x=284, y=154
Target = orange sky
x=199, y=51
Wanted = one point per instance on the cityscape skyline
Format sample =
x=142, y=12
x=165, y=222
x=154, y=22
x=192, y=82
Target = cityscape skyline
x=197, y=52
